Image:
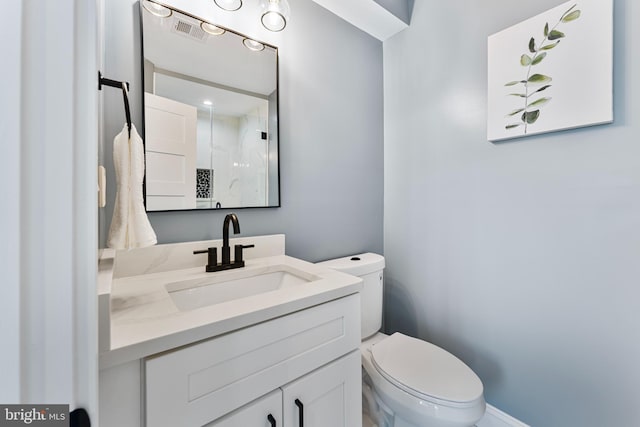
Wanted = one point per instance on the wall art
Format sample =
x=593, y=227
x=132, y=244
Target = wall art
x=552, y=72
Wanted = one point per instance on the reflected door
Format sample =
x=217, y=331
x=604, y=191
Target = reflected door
x=170, y=131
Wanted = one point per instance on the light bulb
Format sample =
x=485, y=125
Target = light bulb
x=212, y=29
x=253, y=45
x=275, y=14
x=156, y=9
x=229, y=5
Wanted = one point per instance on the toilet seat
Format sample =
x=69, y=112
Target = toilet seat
x=426, y=371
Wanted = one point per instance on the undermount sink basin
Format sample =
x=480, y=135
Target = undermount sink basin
x=191, y=294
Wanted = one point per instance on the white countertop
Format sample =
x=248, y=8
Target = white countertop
x=145, y=321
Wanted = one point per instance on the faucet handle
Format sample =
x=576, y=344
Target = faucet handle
x=237, y=249
x=212, y=257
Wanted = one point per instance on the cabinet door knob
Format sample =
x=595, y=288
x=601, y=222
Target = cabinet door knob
x=271, y=420
x=300, y=411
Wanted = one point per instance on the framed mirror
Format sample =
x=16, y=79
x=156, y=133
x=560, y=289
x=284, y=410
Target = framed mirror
x=210, y=115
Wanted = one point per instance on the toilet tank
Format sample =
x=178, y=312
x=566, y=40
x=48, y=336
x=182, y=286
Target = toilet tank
x=369, y=267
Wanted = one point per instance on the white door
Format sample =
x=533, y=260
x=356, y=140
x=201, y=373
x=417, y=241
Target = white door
x=170, y=133
x=329, y=396
x=263, y=412
x=49, y=215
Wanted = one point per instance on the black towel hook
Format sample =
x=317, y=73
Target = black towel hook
x=127, y=110
x=125, y=86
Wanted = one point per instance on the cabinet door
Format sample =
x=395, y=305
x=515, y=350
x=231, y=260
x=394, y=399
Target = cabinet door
x=263, y=412
x=328, y=396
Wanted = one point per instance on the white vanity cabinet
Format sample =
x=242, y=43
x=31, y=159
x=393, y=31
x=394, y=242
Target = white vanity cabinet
x=264, y=412
x=306, y=363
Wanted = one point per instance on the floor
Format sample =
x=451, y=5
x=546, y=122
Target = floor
x=367, y=422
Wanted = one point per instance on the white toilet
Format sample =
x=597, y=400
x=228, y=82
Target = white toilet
x=407, y=382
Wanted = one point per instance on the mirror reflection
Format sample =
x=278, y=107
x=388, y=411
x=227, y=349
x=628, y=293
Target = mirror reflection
x=210, y=115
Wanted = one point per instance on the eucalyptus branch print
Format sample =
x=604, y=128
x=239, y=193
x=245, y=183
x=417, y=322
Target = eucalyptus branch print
x=535, y=83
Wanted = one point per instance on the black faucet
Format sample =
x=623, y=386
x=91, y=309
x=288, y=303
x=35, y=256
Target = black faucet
x=226, y=250
x=226, y=264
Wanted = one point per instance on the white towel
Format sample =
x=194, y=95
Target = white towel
x=130, y=227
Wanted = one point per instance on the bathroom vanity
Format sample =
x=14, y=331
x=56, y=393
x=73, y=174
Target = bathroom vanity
x=272, y=344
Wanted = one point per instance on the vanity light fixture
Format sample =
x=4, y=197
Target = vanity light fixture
x=156, y=9
x=207, y=103
x=253, y=45
x=212, y=29
x=230, y=5
x=275, y=13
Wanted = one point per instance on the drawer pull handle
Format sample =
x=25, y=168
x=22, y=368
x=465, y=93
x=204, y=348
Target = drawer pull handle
x=301, y=412
x=271, y=420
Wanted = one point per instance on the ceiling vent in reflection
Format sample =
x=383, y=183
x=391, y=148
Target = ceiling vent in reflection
x=189, y=29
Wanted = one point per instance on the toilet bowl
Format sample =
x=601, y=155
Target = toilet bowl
x=419, y=384
x=407, y=382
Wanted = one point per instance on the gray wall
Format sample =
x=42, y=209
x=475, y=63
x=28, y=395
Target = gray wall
x=401, y=9
x=331, y=130
x=522, y=258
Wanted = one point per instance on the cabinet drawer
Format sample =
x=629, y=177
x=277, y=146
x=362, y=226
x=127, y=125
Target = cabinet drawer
x=197, y=384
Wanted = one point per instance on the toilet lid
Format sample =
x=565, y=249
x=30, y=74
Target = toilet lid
x=425, y=370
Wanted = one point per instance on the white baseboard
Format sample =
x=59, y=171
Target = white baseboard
x=494, y=417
